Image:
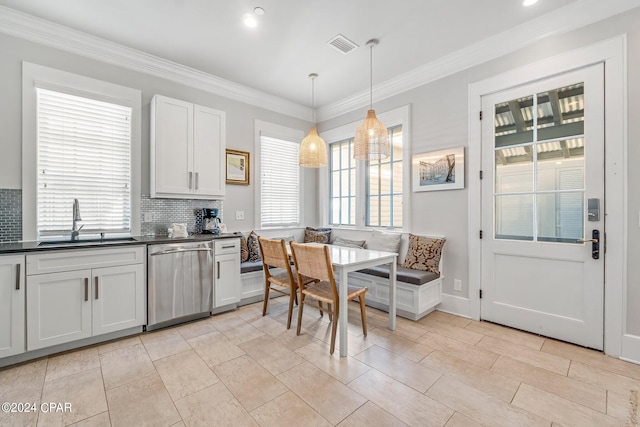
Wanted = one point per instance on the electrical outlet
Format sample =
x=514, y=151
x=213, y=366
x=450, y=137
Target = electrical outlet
x=239, y=215
x=148, y=217
x=457, y=284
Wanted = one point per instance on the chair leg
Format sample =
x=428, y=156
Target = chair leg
x=321, y=309
x=292, y=295
x=334, y=327
x=330, y=312
x=363, y=314
x=267, y=286
x=300, y=307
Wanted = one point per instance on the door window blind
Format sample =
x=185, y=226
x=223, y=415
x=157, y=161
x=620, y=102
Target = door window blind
x=84, y=153
x=280, y=183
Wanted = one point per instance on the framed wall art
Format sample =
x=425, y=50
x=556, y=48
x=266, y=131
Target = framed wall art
x=438, y=170
x=237, y=167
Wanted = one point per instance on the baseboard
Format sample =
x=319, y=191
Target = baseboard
x=455, y=305
x=630, y=348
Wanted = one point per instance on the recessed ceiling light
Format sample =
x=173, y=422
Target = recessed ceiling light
x=250, y=21
x=529, y=2
x=258, y=11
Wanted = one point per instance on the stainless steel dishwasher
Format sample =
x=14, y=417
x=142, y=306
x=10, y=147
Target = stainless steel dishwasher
x=180, y=277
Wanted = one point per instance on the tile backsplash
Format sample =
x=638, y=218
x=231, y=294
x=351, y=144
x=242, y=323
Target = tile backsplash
x=10, y=215
x=160, y=212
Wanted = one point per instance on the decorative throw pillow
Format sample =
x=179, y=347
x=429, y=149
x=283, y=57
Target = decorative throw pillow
x=387, y=242
x=349, y=243
x=424, y=253
x=244, y=249
x=317, y=235
x=254, y=247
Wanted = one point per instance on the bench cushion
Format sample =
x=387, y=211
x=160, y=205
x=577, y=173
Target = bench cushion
x=406, y=275
x=249, y=266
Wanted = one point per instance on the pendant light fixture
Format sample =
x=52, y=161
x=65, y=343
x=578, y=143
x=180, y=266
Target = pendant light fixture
x=372, y=137
x=313, y=149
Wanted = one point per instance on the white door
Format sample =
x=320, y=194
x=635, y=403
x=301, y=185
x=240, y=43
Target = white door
x=208, y=151
x=12, y=305
x=543, y=166
x=227, y=283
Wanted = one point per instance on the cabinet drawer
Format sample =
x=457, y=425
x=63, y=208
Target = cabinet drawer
x=227, y=246
x=67, y=260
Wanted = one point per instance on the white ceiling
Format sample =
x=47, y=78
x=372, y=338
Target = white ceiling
x=291, y=38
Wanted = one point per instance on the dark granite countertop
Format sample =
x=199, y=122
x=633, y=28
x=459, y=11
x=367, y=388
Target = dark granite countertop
x=36, y=246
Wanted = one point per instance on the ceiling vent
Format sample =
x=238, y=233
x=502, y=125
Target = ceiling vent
x=342, y=44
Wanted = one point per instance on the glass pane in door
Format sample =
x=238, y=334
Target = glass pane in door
x=514, y=217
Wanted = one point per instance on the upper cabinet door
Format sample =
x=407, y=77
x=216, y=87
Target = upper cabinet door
x=208, y=151
x=187, y=150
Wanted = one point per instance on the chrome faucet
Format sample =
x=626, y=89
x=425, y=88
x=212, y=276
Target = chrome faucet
x=75, y=231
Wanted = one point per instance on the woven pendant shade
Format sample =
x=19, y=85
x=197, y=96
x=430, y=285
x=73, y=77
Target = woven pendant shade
x=313, y=151
x=372, y=139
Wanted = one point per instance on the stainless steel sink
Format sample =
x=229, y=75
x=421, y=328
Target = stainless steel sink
x=69, y=242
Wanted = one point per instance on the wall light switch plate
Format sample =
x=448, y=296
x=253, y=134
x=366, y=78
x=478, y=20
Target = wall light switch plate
x=457, y=284
x=239, y=215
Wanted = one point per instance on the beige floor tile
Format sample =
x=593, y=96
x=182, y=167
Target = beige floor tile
x=100, y=420
x=143, y=402
x=271, y=354
x=481, y=378
x=480, y=406
x=72, y=363
x=399, y=368
x=292, y=341
x=119, y=343
x=344, y=369
x=603, y=378
x=371, y=415
x=332, y=399
x=515, y=336
x=560, y=385
x=472, y=354
x=402, y=346
x=196, y=328
x=378, y=319
x=452, y=319
x=550, y=362
x=560, y=410
x=624, y=406
x=460, y=420
x=401, y=401
x=214, y=406
x=163, y=343
x=288, y=410
x=215, y=348
x=591, y=357
x=179, y=424
x=444, y=328
x=83, y=391
x=237, y=330
x=125, y=365
x=249, y=382
x=22, y=383
x=268, y=325
x=184, y=374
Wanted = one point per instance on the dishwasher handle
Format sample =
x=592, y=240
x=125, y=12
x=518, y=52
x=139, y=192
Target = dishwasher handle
x=178, y=251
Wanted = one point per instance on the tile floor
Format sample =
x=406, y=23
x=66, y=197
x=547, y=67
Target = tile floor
x=242, y=369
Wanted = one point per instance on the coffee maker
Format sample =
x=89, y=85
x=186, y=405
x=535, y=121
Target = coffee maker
x=210, y=221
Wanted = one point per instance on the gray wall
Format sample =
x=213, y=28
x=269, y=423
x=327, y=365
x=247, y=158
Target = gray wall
x=240, y=120
x=439, y=119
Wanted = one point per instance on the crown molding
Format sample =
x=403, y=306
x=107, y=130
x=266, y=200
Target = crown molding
x=568, y=18
x=47, y=33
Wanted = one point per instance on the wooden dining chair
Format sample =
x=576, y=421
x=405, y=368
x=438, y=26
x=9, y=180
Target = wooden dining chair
x=314, y=261
x=274, y=254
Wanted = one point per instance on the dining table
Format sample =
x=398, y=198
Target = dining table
x=346, y=259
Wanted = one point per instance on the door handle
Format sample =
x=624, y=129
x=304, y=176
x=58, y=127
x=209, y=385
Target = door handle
x=190, y=179
x=197, y=181
x=96, y=287
x=17, y=277
x=595, y=243
x=588, y=241
x=218, y=269
x=86, y=289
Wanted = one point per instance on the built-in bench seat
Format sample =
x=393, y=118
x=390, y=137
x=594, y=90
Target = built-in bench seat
x=417, y=292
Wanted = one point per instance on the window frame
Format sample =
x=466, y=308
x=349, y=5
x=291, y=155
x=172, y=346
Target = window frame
x=38, y=76
x=273, y=130
x=397, y=117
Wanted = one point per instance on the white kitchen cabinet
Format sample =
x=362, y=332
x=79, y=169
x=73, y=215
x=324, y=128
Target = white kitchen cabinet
x=12, y=305
x=73, y=295
x=227, y=283
x=187, y=150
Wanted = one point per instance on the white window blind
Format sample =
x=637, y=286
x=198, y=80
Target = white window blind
x=280, y=183
x=84, y=153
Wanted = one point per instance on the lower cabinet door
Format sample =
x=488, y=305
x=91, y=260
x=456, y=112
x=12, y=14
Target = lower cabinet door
x=58, y=308
x=12, y=305
x=227, y=284
x=119, y=298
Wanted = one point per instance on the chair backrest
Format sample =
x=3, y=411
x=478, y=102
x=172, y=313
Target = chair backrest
x=313, y=261
x=274, y=253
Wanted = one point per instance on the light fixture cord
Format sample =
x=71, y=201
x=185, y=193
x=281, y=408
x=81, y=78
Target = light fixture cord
x=371, y=77
x=313, y=99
